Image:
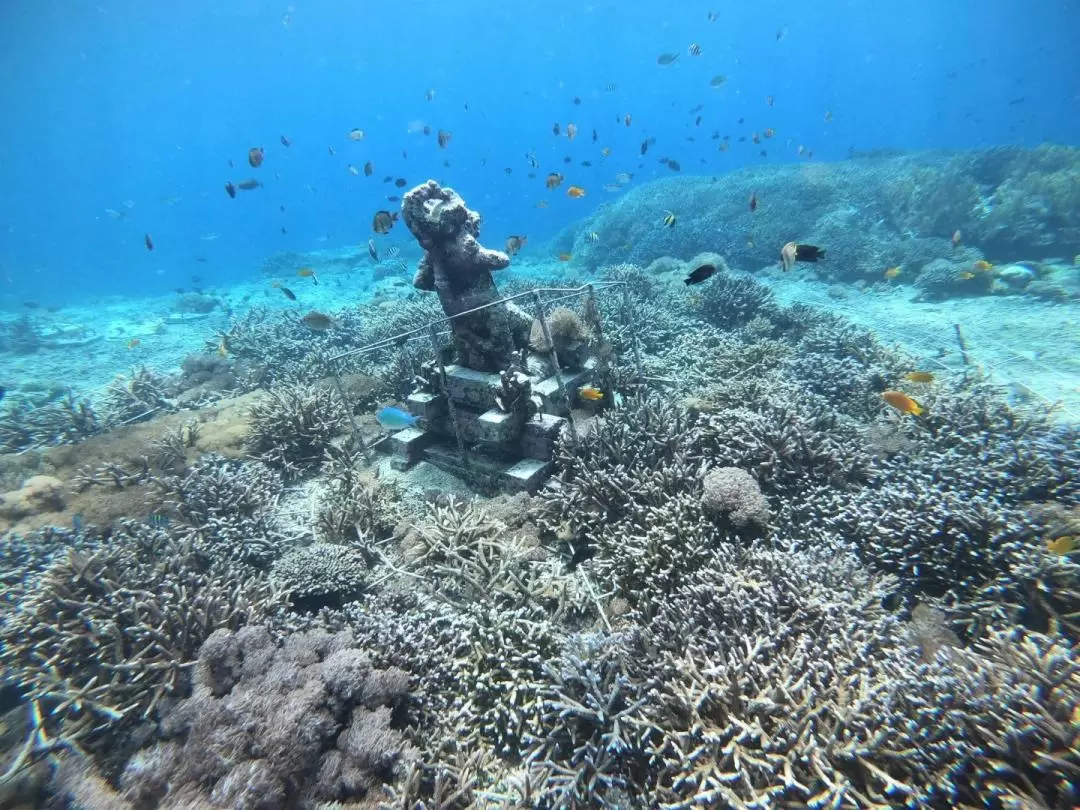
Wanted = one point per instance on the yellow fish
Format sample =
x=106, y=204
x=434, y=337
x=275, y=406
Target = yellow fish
x=590, y=393
x=903, y=403
x=1062, y=545
x=222, y=349
x=919, y=376
x=892, y=272
x=669, y=219
x=966, y=276
x=982, y=265
x=576, y=192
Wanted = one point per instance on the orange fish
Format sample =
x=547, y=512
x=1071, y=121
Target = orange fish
x=255, y=156
x=902, y=402
x=892, y=272
x=565, y=257
x=982, y=265
x=575, y=192
x=590, y=393
x=554, y=180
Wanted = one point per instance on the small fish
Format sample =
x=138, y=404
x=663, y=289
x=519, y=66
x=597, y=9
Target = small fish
x=593, y=237
x=307, y=272
x=554, y=180
x=792, y=253
x=369, y=169
x=956, y=237
x=571, y=131
x=393, y=418
x=828, y=116
x=565, y=257
x=532, y=161
x=666, y=59
x=919, y=376
x=285, y=141
x=628, y=119
x=753, y=201
x=780, y=34
x=610, y=87
x=694, y=49
x=892, y=272
x=712, y=16
x=902, y=402
x=318, y=321
x=590, y=393
x=355, y=172
x=356, y=134
x=158, y=521
x=515, y=244
x=770, y=100
x=331, y=150
x=669, y=219
x=673, y=165
x=587, y=164
x=1063, y=545
x=223, y=348
x=595, y=136
x=429, y=95
x=401, y=182
x=699, y=274
x=287, y=293
x=373, y=252
x=768, y=132
x=444, y=138
x=611, y=187
x=247, y=185
x=577, y=101
x=542, y=204
x=576, y=192
x=755, y=137
x=131, y=344
x=622, y=178
x=605, y=152
x=148, y=242
x=382, y=222
x=719, y=80
x=556, y=129
x=112, y=212
x=255, y=156
x=967, y=275
x=982, y=266
x=392, y=251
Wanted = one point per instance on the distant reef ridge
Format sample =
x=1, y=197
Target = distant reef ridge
x=872, y=211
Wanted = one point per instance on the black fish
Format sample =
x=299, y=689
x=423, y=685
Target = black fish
x=2, y=391
x=388, y=178
x=400, y=182
x=230, y=189
x=288, y=293
x=809, y=253
x=700, y=274
x=644, y=147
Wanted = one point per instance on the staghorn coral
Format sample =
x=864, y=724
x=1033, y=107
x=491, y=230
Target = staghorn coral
x=353, y=507
x=106, y=635
x=135, y=398
x=223, y=508
x=291, y=427
x=305, y=723
x=67, y=420
x=731, y=301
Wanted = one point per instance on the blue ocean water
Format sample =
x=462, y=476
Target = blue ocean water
x=139, y=107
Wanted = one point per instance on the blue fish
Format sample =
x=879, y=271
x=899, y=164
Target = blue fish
x=395, y=418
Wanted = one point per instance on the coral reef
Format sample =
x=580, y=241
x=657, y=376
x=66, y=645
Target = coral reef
x=101, y=637
x=321, y=575
x=872, y=212
x=292, y=426
x=272, y=727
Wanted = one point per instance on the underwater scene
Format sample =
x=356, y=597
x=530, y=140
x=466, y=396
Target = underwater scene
x=581, y=404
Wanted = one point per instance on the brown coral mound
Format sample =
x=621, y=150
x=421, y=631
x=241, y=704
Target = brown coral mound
x=568, y=332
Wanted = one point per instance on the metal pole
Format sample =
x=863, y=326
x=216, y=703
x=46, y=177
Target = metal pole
x=553, y=356
x=446, y=395
x=628, y=313
x=348, y=411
